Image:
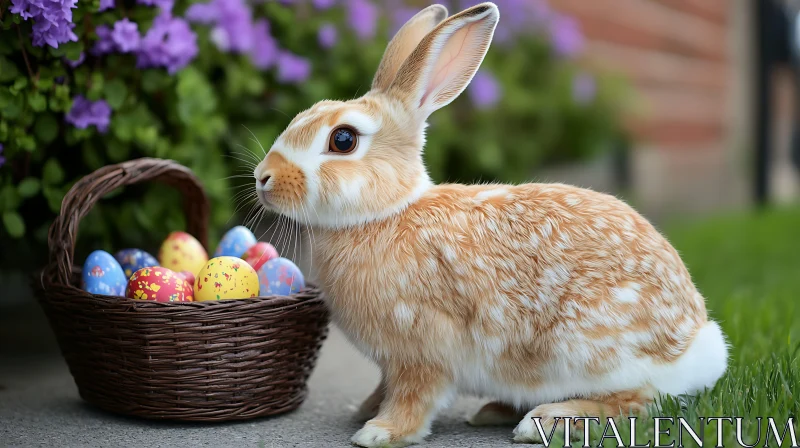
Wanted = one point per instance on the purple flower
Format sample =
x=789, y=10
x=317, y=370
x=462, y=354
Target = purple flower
x=52, y=20
x=584, y=88
x=73, y=64
x=2, y=159
x=106, y=4
x=265, y=49
x=292, y=68
x=169, y=43
x=164, y=5
x=362, y=16
x=126, y=36
x=565, y=36
x=105, y=43
x=234, y=23
x=327, y=35
x=85, y=113
x=484, y=90
x=323, y=4
x=205, y=13
x=25, y=8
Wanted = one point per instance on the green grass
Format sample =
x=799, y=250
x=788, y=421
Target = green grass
x=748, y=268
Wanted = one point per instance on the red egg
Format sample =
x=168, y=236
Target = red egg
x=188, y=276
x=160, y=285
x=258, y=254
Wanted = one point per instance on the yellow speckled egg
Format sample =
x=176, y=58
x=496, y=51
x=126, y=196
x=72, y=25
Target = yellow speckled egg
x=182, y=252
x=225, y=278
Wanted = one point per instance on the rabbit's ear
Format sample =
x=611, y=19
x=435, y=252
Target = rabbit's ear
x=444, y=62
x=404, y=42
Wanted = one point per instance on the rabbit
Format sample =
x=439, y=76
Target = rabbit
x=547, y=299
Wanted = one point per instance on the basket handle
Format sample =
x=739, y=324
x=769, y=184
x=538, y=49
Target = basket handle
x=86, y=192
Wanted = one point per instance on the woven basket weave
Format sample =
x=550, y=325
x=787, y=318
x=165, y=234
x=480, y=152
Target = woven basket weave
x=201, y=361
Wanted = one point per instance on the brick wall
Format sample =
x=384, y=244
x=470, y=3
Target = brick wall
x=687, y=63
x=676, y=54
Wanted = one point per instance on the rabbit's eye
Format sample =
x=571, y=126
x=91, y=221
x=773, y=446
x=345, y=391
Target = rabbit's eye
x=343, y=140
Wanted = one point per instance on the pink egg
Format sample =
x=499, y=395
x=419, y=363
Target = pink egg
x=258, y=254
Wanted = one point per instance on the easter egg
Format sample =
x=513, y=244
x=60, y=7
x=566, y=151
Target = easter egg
x=226, y=278
x=235, y=242
x=132, y=260
x=188, y=276
x=258, y=254
x=279, y=277
x=102, y=274
x=160, y=285
x=182, y=252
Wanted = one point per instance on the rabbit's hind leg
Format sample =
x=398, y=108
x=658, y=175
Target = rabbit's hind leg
x=602, y=406
x=496, y=414
x=370, y=407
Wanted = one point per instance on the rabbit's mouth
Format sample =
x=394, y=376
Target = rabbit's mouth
x=263, y=197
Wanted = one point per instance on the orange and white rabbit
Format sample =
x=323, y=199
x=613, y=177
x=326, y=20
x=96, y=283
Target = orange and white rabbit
x=550, y=300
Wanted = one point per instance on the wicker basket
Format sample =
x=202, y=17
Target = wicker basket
x=201, y=361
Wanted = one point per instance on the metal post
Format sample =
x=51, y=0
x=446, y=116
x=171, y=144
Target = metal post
x=763, y=91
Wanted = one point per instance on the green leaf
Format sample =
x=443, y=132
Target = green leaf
x=28, y=187
x=5, y=97
x=26, y=142
x=46, y=128
x=118, y=151
x=8, y=70
x=14, y=224
x=37, y=101
x=19, y=84
x=9, y=198
x=45, y=83
x=92, y=158
x=115, y=93
x=13, y=109
x=57, y=52
x=52, y=174
x=60, y=101
x=54, y=197
x=96, y=86
x=72, y=50
x=154, y=80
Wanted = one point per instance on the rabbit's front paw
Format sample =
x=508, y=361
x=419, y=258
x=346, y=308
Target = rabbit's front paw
x=374, y=435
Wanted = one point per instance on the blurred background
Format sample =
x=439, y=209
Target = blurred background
x=684, y=108
x=687, y=109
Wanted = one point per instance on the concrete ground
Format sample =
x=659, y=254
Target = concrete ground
x=39, y=406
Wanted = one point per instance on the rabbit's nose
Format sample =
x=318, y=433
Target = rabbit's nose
x=263, y=179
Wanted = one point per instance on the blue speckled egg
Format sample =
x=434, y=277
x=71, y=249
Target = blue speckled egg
x=132, y=260
x=102, y=274
x=279, y=277
x=235, y=242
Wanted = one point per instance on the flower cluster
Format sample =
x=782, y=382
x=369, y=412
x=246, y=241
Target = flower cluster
x=85, y=113
x=52, y=20
x=169, y=43
x=123, y=37
x=235, y=31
